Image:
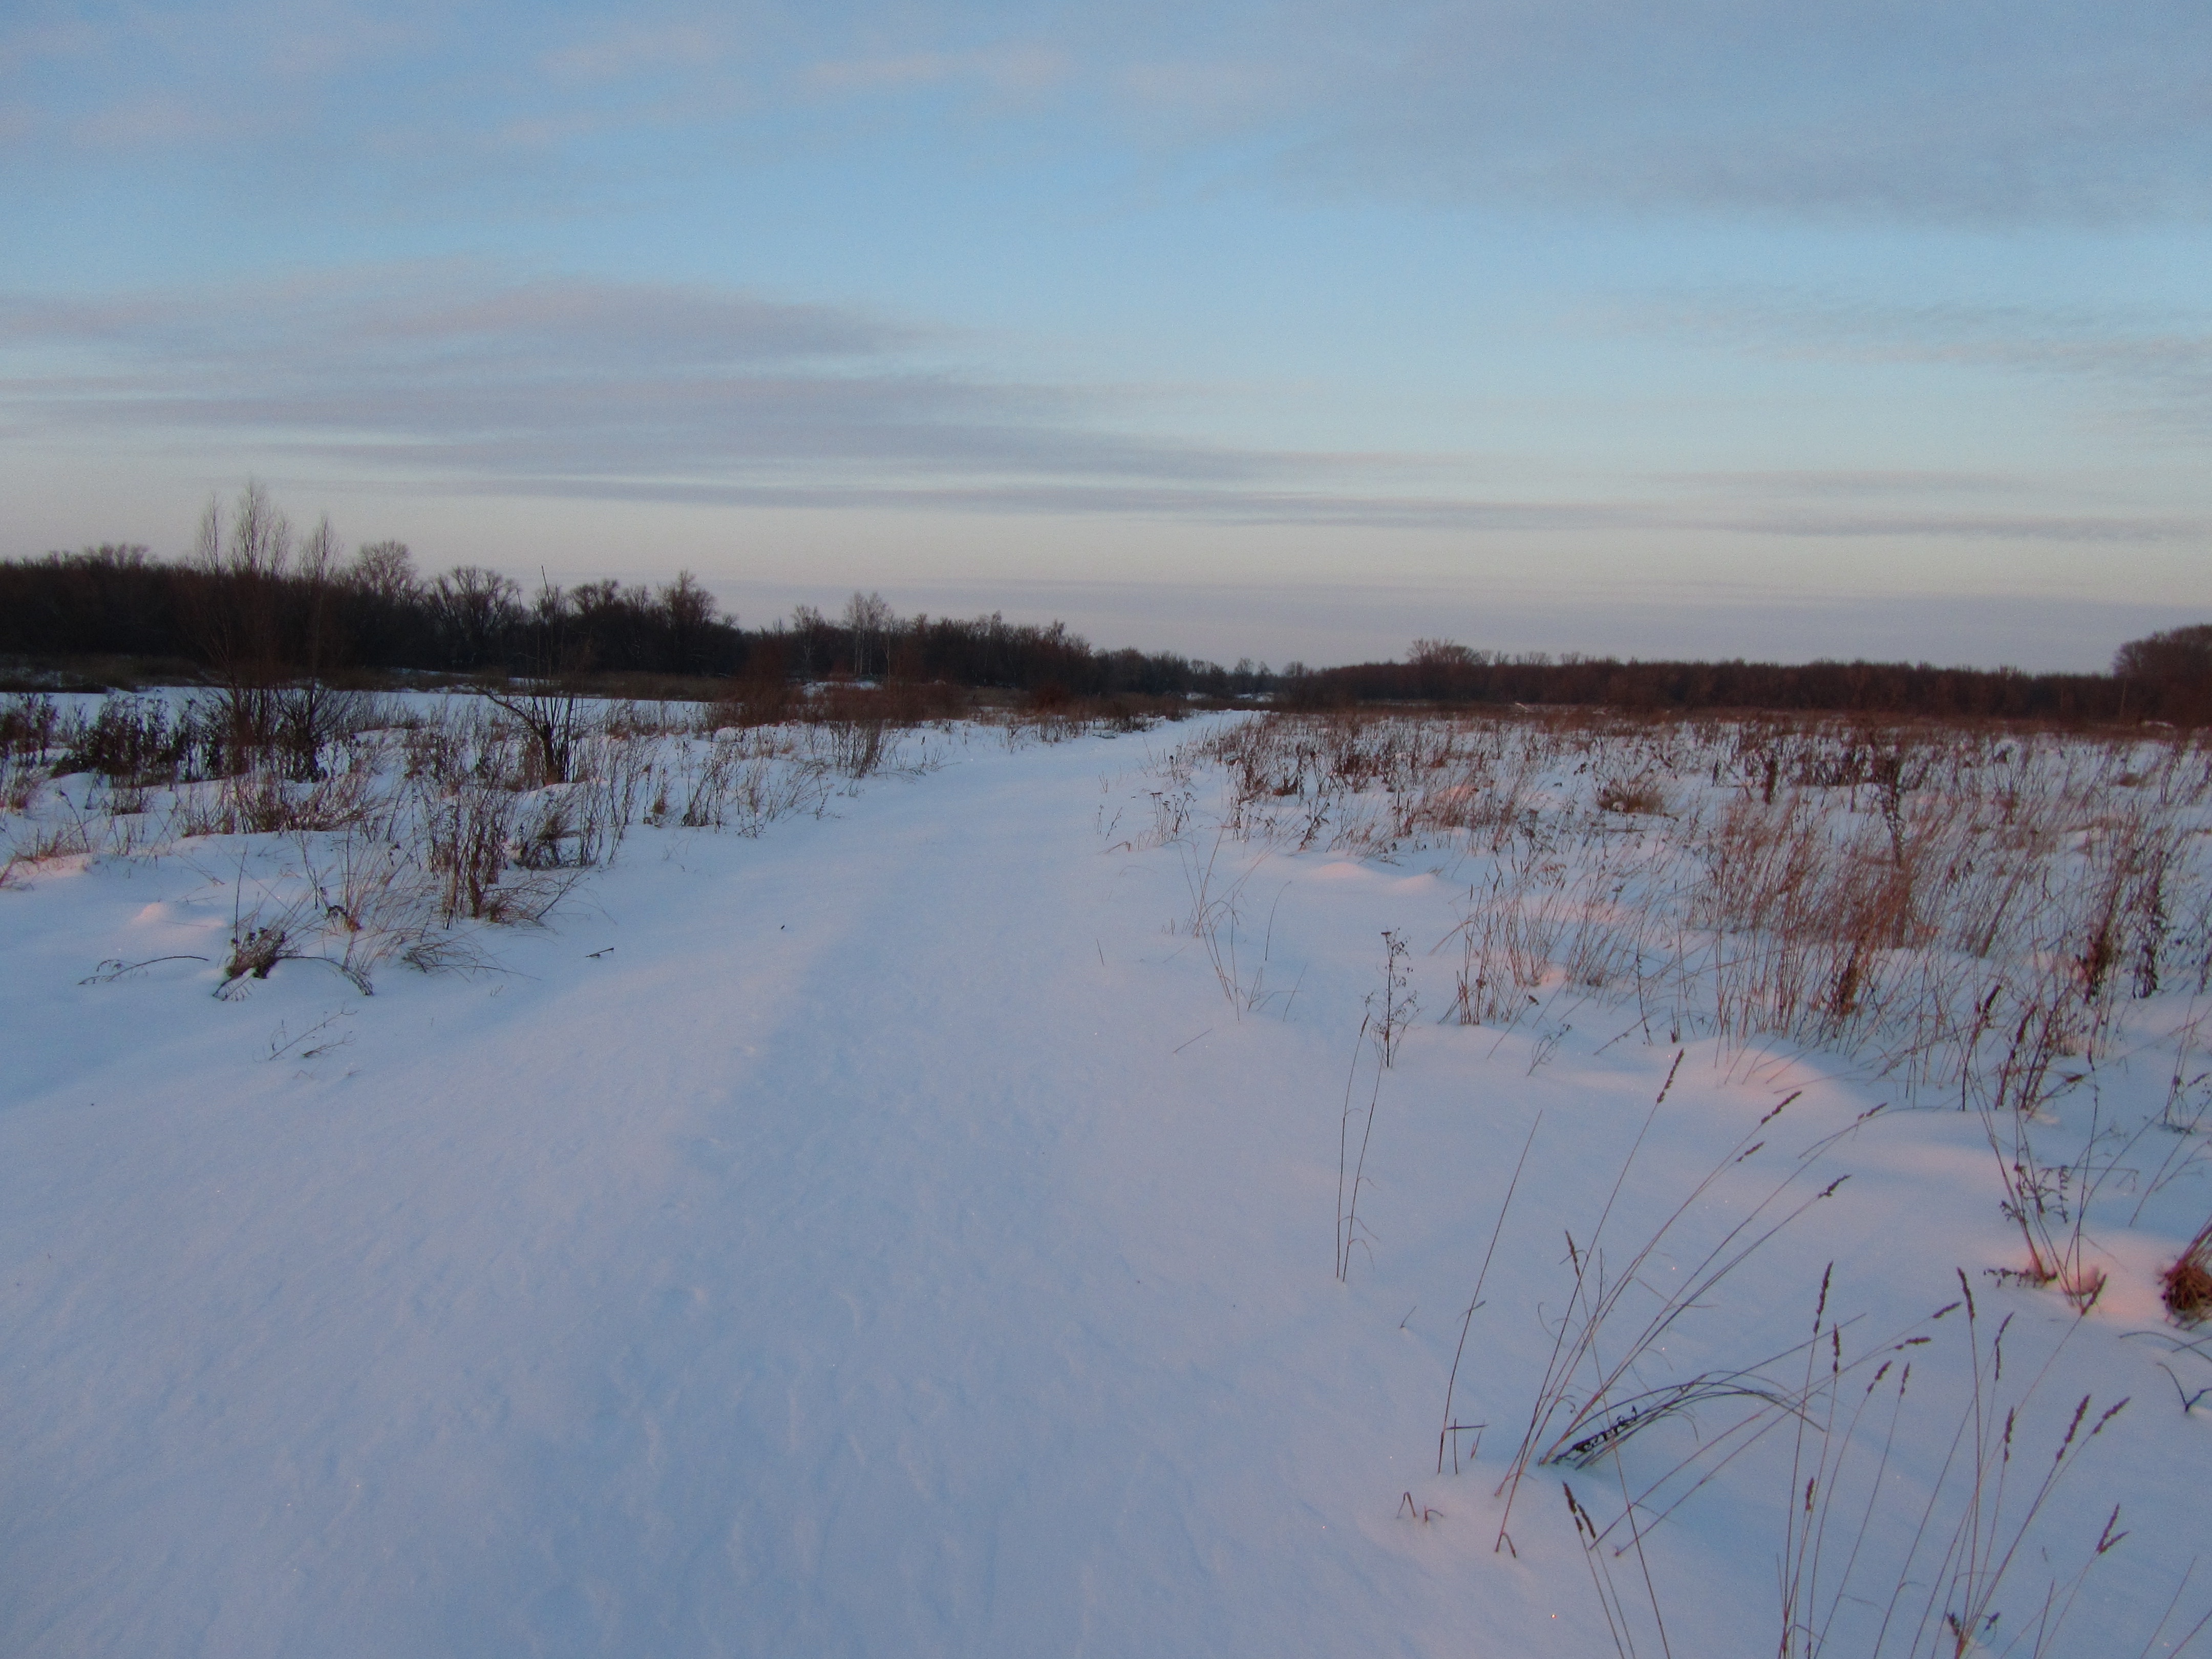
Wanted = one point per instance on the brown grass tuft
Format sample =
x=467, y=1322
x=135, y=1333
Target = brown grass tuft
x=1632, y=797
x=2188, y=1282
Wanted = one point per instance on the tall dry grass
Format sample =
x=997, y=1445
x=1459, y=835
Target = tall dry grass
x=380, y=830
x=1965, y=908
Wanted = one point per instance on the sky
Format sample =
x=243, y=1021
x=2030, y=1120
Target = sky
x=1289, y=330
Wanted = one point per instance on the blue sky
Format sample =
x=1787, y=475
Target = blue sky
x=1289, y=330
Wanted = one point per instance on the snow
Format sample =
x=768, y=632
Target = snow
x=883, y=1235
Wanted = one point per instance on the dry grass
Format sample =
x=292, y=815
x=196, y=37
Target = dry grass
x=1964, y=909
x=382, y=831
x=2187, y=1284
x=1592, y=1400
x=1982, y=918
x=1879, y=1556
x=398, y=827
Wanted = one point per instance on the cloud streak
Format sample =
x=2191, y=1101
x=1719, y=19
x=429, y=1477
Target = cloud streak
x=459, y=380
x=2049, y=109
x=1972, y=111
x=461, y=375
x=2158, y=364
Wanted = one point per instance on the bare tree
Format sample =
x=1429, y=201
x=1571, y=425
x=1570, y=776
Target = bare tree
x=2179, y=653
x=473, y=610
x=549, y=709
x=867, y=619
x=1444, y=654
x=309, y=711
x=386, y=571
x=236, y=605
x=265, y=613
x=689, y=611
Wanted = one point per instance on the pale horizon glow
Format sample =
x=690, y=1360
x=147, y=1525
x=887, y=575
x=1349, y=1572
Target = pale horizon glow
x=1249, y=329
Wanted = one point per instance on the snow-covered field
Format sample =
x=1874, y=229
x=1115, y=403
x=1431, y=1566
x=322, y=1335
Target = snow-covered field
x=917, y=1216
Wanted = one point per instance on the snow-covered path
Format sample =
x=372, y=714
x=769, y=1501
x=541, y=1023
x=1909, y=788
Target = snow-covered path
x=827, y=1269
x=877, y=1238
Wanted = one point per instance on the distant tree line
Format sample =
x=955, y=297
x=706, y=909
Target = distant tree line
x=257, y=605
x=2166, y=677
x=255, y=601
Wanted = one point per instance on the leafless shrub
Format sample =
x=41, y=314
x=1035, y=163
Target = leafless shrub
x=35, y=844
x=308, y=718
x=30, y=725
x=1172, y=808
x=137, y=740
x=436, y=752
x=744, y=784
x=851, y=748
x=375, y=902
x=122, y=801
x=627, y=720
x=615, y=772
x=76, y=830
x=263, y=801
x=553, y=720
x=270, y=930
x=550, y=833
x=752, y=703
x=471, y=837
x=576, y=825
x=21, y=779
x=349, y=902
x=468, y=833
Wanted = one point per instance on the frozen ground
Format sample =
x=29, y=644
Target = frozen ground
x=885, y=1237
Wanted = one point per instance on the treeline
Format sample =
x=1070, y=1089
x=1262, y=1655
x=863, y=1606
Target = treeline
x=371, y=612
x=2165, y=677
x=255, y=602
x=256, y=605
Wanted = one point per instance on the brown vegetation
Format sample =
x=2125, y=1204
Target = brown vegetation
x=2188, y=1282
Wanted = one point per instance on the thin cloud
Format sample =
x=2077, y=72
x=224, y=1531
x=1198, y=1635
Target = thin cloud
x=139, y=123
x=2093, y=112
x=408, y=319
x=1024, y=69
x=681, y=47
x=1850, y=484
x=2066, y=110
x=448, y=372
x=457, y=378
x=1245, y=505
x=1991, y=527
x=2157, y=364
